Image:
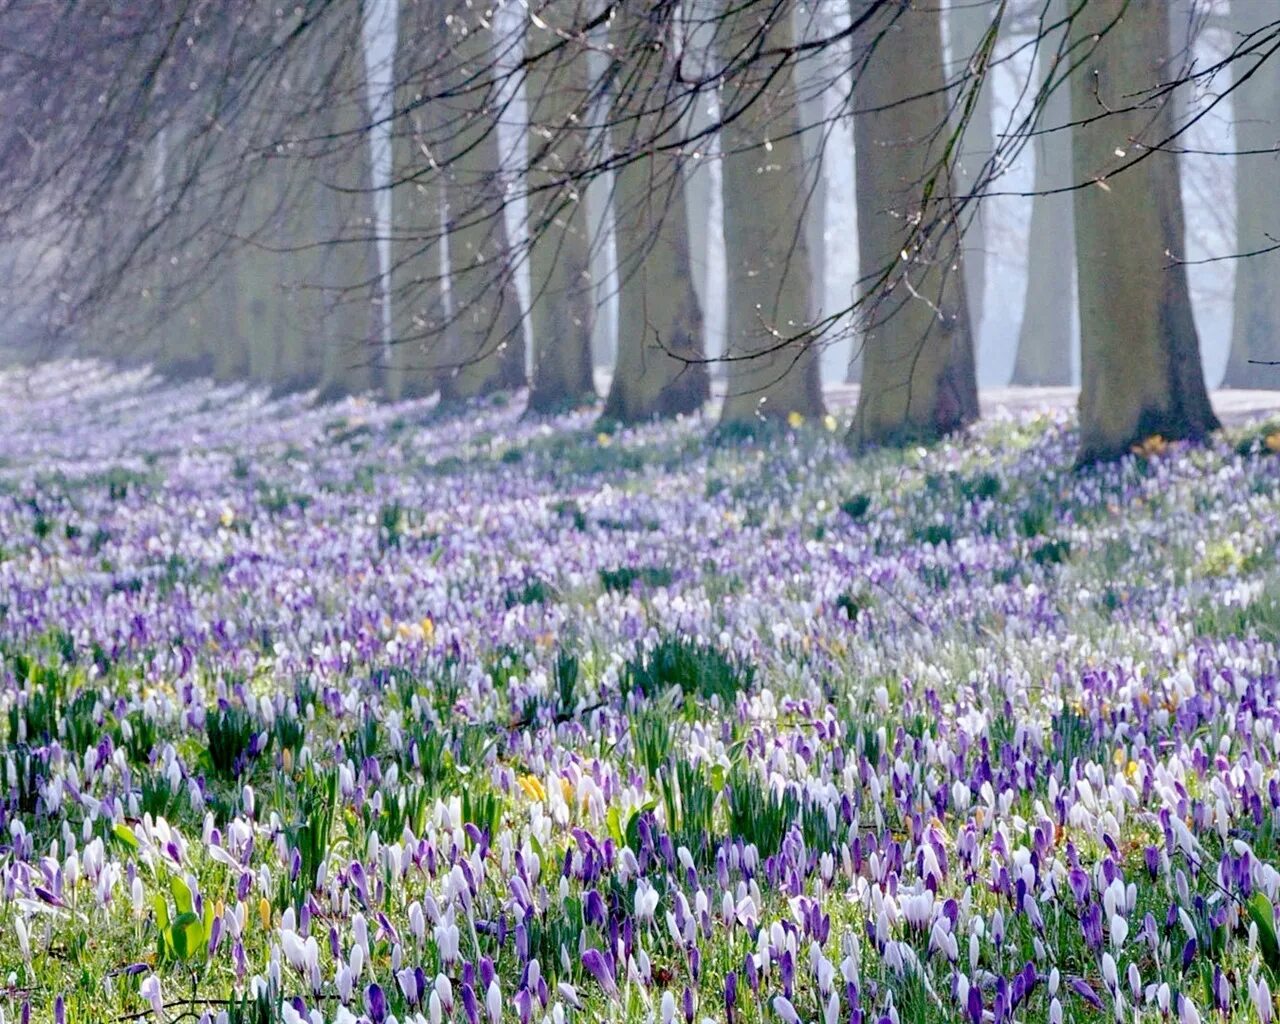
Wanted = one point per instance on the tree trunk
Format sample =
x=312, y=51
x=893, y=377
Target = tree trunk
x=416, y=290
x=702, y=169
x=918, y=379
x=289, y=351
x=351, y=328
x=601, y=217
x=1047, y=334
x=968, y=24
x=328, y=339
x=813, y=80
x=562, y=306
x=659, y=369
x=484, y=351
x=269, y=296
x=1140, y=355
x=1255, y=333
x=773, y=369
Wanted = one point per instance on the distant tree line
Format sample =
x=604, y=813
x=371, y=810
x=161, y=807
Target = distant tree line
x=196, y=185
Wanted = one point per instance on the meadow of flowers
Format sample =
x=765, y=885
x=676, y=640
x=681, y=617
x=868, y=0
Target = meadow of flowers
x=361, y=713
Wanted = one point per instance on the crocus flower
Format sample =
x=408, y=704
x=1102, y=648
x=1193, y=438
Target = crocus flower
x=600, y=966
x=375, y=1003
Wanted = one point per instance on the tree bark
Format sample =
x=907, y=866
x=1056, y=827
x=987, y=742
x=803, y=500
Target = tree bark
x=313, y=324
x=659, y=369
x=418, y=273
x=773, y=368
x=562, y=306
x=1047, y=334
x=348, y=258
x=1141, y=373
x=484, y=349
x=918, y=379
x=813, y=22
x=1255, y=333
x=968, y=24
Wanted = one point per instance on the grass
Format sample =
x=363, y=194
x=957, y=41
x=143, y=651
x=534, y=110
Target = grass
x=697, y=668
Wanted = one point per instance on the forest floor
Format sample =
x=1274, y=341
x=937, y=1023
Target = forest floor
x=360, y=712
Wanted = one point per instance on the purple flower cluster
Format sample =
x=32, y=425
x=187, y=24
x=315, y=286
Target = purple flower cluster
x=363, y=714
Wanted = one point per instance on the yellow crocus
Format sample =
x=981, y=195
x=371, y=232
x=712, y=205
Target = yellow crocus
x=533, y=787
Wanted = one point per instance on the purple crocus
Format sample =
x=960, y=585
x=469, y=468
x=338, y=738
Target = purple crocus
x=975, y=1005
x=1085, y=991
x=600, y=966
x=375, y=1003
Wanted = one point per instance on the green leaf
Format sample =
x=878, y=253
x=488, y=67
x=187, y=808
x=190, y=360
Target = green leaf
x=161, y=907
x=181, y=895
x=1263, y=915
x=614, y=820
x=187, y=936
x=125, y=834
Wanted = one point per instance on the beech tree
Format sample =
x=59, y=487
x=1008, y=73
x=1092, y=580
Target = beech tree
x=1047, y=335
x=346, y=326
x=660, y=368
x=562, y=302
x=483, y=346
x=972, y=30
x=1255, y=332
x=773, y=362
x=199, y=175
x=416, y=288
x=1141, y=373
x=918, y=369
